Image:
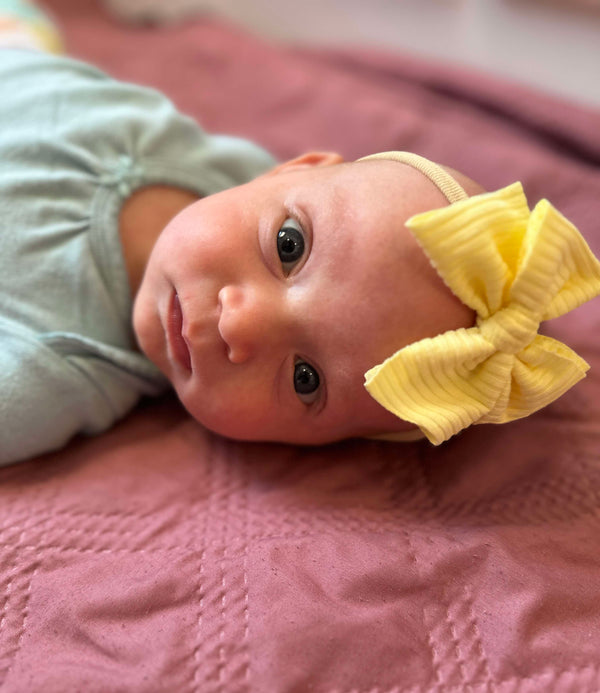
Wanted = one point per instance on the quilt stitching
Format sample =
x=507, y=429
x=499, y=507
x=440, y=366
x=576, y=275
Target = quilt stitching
x=555, y=675
x=199, y=622
x=236, y=543
x=581, y=674
x=201, y=585
x=18, y=590
x=242, y=548
x=236, y=661
x=469, y=639
x=245, y=513
x=508, y=686
x=450, y=648
x=453, y=656
x=223, y=639
x=583, y=497
x=221, y=525
x=24, y=618
x=455, y=639
x=246, y=673
x=222, y=611
x=560, y=499
x=348, y=522
x=5, y=666
x=435, y=659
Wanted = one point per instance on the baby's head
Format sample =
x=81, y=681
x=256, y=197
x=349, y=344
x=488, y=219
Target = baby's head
x=265, y=304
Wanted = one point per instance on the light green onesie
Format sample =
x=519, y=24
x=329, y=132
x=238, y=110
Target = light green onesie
x=74, y=144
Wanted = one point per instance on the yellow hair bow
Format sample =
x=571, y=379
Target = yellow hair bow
x=514, y=269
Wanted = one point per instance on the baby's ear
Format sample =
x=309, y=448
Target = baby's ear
x=307, y=160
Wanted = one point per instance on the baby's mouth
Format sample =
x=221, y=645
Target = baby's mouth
x=179, y=347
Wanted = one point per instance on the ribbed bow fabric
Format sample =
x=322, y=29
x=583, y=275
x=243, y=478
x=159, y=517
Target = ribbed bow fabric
x=514, y=268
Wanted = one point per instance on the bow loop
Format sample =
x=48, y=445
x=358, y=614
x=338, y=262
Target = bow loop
x=514, y=269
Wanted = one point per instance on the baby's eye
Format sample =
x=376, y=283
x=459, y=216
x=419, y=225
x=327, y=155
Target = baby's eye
x=290, y=244
x=306, y=382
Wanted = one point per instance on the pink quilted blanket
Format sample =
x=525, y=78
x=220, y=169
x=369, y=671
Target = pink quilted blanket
x=162, y=558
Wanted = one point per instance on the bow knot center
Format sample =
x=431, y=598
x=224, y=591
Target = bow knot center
x=510, y=329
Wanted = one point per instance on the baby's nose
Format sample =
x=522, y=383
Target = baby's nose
x=247, y=321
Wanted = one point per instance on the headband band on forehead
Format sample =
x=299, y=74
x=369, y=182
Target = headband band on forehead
x=444, y=182
x=514, y=268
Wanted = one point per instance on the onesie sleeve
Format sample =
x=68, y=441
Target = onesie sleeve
x=47, y=398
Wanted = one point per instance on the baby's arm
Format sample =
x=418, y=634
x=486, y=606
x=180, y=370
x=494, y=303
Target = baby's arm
x=48, y=397
x=37, y=410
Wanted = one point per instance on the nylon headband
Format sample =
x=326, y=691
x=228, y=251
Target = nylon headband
x=443, y=181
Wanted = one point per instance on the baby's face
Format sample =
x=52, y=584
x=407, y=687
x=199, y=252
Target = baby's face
x=265, y=304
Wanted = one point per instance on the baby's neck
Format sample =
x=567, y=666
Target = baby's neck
x=142, y=218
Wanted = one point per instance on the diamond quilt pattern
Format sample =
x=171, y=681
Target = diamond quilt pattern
x=358, y=567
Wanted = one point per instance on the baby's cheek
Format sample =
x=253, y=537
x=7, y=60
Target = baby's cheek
x=148, y=332
x=214, y=407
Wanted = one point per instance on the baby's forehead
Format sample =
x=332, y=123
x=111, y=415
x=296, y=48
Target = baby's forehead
x=441, y=177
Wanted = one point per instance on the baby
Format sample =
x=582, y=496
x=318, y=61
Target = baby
x=264, y=294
